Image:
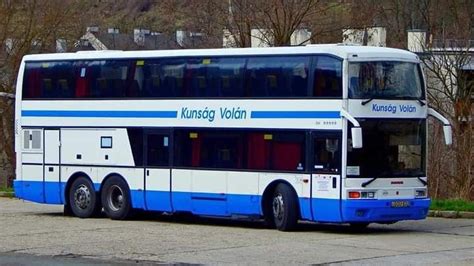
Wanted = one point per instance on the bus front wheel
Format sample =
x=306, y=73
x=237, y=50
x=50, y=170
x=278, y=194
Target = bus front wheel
x=116, y=198
x=284, y=208
x=83, y=198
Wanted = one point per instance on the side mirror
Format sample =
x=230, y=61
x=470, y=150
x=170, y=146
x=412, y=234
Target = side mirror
x=447, y=130
x=356, y=137
x=448, y=134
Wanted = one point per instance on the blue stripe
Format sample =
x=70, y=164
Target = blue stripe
x=294, y=114
x=324, y=210
x=105, y=113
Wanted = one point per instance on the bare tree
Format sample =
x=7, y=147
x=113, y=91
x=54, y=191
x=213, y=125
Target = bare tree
x=277, y=20
x=28, y=27
x=450, y=90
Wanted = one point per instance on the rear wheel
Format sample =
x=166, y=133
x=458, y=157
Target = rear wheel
x=284, y=208
x=116, y=198
x=83, y=201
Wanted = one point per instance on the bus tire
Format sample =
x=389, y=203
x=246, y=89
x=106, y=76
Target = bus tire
x=284, y=208
x=116, y=198
x=83, y=198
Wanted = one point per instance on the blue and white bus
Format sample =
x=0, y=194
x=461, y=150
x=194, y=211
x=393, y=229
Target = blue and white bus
x=325, y=133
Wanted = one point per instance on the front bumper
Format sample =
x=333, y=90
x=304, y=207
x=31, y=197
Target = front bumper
x=382, y=210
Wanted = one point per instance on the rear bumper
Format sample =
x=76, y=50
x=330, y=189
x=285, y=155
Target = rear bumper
x=381, y=210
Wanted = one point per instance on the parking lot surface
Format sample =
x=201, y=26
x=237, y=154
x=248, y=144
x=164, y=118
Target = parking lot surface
x=40, y=234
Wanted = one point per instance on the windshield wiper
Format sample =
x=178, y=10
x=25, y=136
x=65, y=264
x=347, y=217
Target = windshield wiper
x=411, y=98
x=366, y=183
x=421, y=102
x=364, y=102
x=422, y=181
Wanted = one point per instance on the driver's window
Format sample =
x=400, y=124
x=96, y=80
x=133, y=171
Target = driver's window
x=327, y=153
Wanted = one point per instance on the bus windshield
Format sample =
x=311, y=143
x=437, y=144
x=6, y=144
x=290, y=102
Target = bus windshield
x=385, y=80
x=392, y=148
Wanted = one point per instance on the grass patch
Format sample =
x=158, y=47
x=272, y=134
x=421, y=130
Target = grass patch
x=6, y=189
x=452, y=205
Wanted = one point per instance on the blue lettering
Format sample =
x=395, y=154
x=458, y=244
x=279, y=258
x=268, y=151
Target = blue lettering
x=205, y=114
x=406, y=108
x=384, y=108
x=234, y=113
x=210, y=114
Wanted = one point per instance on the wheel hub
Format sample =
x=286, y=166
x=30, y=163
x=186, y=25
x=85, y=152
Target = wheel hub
x=82, y=197
x=115, y=198
x=278, y=206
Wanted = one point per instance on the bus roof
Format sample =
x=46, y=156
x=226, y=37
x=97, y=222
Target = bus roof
x=343, y=51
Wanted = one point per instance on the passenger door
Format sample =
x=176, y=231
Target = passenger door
x=157, y=170
x=326, y=176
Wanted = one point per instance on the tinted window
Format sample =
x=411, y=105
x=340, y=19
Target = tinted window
x=135, y=136
x=216, y=77
x=209, y=149
x=48, y=80
x=327, y=77
x=237, y=149
x=157, y=147
x=392, y=148
x=385, y=79
x=266, y=76
x=278, y=151
x=164, y=78
x=277, y=76
x=107, y=78
x=327, y=153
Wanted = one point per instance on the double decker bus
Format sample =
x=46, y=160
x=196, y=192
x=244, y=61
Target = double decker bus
x=325, y=133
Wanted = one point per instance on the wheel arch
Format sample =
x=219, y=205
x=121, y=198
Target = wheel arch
x=71, y=180
x=110, y=175
x=267, y=196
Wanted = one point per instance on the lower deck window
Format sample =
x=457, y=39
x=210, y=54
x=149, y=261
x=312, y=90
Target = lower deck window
x=228, y=149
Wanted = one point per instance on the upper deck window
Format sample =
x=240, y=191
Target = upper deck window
x=49, y=80
x=327, y=77
x=385, y=80
x=278, y=76
x=267, y=76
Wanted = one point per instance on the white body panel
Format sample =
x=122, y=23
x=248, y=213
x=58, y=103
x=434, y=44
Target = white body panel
x=323, y=186
x=387, y=109
x=83, y=147
x=209, y=182
x=158, y=179
x=72, y=113
x=33, y=172
x=51, y=146
x=134, y=176
x=32, y=157
x=300, y=182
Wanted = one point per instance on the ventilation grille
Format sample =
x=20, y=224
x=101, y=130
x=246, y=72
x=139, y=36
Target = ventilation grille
x=32, y=140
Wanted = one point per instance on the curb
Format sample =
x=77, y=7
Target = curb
x=7, y=194
x=451, y=214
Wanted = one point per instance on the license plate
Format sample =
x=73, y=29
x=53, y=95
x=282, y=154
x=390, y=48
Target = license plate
x=400, y=204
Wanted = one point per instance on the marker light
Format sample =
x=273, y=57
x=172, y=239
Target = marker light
x=354, y=194
x=420, y=193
